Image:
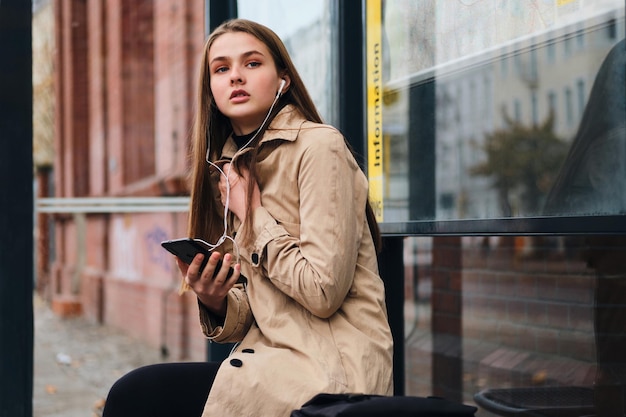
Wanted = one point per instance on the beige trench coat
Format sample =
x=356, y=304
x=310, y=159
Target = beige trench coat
x=312, y=317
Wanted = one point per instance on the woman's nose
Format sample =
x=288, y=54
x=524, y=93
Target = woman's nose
x=236, y=76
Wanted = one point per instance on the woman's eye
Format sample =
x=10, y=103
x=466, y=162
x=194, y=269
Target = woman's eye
x=253, y=64
x=221, y=69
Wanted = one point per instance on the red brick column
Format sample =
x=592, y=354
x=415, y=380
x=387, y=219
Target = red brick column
x=71, y=141
x=447, y=371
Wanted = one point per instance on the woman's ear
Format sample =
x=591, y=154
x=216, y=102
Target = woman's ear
x=285, y=81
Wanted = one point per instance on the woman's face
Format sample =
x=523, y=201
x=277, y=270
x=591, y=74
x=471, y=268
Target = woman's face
x=243, y=79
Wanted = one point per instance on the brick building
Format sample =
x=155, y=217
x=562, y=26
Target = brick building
x=125, y=89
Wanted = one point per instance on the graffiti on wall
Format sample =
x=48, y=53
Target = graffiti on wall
x=156, y=254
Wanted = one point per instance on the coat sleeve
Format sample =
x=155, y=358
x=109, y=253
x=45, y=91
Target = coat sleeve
x=234, y=326
x=317, y=268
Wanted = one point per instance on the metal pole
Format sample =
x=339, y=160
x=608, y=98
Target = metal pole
x=391, y=264
x=16, y=209
x=217, y=12
x=350, y=74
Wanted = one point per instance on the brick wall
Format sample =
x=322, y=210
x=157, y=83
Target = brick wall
x=536, y=314
x=137, y=158
x=71, y=81
x=98, y=97
x=542, y=303
x=503, y=316
x=126, y=73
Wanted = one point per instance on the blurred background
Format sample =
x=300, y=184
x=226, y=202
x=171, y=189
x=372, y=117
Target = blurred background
x=493, y=133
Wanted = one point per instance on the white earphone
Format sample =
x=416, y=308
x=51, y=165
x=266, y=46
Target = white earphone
x=280, y=89
x=225, y=236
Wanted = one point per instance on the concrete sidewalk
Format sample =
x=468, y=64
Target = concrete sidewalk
x=76, y=362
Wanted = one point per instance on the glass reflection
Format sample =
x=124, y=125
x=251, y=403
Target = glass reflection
x=484, y=108
x=307, y=29
x=490, y=317
x=593, y=177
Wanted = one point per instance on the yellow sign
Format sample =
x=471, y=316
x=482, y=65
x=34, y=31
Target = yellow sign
x=375, y=105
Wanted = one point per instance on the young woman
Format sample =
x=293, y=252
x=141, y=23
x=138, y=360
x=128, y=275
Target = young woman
x=281, y=197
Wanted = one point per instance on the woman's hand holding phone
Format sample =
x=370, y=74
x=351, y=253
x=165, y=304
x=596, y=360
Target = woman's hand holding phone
x=208, y=274
x=211, y=284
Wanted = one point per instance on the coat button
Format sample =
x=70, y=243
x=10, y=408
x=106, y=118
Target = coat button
x=237, y=363
x=255, y=258
x=247, y=351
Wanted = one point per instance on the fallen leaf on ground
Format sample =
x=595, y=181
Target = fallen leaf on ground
x=540, y=377
x=99, y=403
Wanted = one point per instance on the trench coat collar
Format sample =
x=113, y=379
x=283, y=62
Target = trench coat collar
x=285, y=126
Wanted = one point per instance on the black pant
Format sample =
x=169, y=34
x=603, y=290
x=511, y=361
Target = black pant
x=162, y=390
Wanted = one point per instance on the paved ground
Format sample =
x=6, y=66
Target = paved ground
x=76, y=362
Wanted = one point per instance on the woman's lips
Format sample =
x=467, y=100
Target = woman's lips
x=239, y=96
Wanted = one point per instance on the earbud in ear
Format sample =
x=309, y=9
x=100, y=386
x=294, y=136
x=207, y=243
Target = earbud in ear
x=282, y=85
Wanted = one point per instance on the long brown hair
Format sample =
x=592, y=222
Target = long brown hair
x=212, y=128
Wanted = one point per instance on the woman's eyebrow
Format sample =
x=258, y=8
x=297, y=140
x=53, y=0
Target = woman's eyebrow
x=244, y=55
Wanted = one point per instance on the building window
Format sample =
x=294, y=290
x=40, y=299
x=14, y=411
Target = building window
x=534, y=110
x=580, y=91
x=517, y=109
x=569, y=107
x=446, y=201
x=504, y=65
x=551, y=52
x=611, y=29
x=567, y=45
x=533, y=64
x=580, y=38
x=519, y=64
x=552, y=104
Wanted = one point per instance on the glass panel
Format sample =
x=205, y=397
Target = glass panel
x=519, y=318
x=497, y=109
x=308, y=30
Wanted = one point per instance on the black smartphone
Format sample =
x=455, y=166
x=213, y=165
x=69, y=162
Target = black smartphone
x=186, y=249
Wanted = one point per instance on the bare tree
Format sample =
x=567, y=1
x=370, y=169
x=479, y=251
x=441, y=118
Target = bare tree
x=43, y=128
x=43, y=85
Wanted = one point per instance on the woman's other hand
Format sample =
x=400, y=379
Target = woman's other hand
x=211, y=290
x=239, y=183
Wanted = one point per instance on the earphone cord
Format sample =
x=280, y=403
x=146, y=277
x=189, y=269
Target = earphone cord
x=224, y=235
